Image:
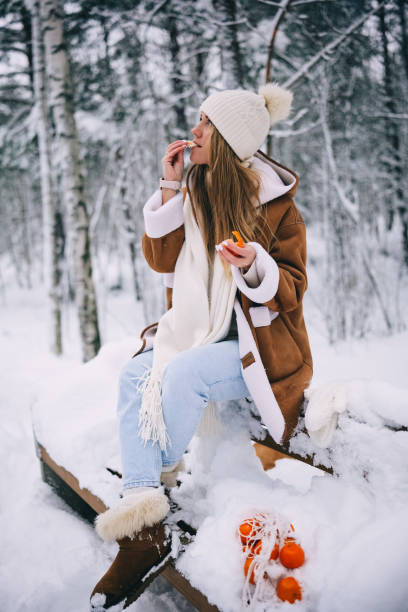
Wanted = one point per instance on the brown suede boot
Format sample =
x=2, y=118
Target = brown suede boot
x=136, y=524
x=136, y=557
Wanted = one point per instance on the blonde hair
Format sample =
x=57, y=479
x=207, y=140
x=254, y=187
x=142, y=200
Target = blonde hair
x=225, y=196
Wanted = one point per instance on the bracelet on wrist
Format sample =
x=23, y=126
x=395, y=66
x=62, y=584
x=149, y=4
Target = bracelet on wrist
x=174, y=185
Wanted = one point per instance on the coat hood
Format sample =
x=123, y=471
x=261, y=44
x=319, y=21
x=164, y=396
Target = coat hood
x=276, y=180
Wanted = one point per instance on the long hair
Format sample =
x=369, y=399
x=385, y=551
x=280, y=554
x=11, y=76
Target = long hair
x=225, y=196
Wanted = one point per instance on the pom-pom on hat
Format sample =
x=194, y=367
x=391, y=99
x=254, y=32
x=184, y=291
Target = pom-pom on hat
x=243, y=118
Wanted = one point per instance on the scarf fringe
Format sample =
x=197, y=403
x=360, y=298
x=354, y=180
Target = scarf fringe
x=151, y=422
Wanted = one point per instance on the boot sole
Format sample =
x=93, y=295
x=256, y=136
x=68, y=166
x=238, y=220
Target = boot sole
x=135, y=591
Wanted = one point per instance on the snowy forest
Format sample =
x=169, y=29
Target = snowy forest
x=91, y=93
x=83, y=130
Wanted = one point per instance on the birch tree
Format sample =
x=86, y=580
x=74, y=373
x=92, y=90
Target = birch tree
x=52, y=272
x=61, y=101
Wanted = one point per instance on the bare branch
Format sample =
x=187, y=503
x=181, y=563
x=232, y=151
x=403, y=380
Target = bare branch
x=300, y=2
x=302, y=130
x=277, y=4
x=388, y=116
x=275, y=26
x=329, y=48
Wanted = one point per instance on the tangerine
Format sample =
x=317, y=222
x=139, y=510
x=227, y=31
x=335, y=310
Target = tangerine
x=249, y=561
x=274, y=553
x=288, y=589
x=240, y=242
x=256, y=549
x=248, y=529
x=291, y=554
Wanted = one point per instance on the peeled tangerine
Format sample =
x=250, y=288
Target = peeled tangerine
x=288, y=589
x=240, y=242
x=190, y=143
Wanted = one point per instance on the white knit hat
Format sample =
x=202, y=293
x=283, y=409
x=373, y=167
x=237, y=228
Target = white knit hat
x=243, y=118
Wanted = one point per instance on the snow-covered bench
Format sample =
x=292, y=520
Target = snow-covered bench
x=75, y=431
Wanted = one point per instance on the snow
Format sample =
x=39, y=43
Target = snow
x=353, y=527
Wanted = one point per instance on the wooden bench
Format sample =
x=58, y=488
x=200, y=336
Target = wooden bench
x=88, y=505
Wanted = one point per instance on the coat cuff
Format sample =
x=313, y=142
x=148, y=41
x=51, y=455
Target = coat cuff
x=251, y=276
x=268, y=277
x=161, y=219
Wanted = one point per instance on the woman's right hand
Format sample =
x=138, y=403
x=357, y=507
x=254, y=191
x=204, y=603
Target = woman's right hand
x=173, y=161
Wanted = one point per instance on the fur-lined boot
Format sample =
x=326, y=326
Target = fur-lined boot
x=136, y=524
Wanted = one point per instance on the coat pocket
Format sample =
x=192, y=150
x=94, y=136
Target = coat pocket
x=279, y=352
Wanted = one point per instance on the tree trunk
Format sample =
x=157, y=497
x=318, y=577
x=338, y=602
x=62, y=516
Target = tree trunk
x=176, y=82
x=231, y=56
x=404, y=36
x=52, y=272
x=72, y=176
x=392, y=162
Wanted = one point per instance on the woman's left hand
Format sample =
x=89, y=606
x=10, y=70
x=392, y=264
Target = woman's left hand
x=240, y=257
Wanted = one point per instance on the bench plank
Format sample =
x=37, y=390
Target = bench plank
x=88, y=505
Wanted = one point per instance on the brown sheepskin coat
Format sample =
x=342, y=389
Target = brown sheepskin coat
x=281, y=342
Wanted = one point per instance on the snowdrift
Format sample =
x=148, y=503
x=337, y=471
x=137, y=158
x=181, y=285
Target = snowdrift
x=352, y=527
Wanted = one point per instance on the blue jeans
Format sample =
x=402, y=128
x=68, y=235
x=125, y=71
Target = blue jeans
x=193, y=377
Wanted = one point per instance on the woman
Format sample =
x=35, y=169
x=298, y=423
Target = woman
x=234, y=327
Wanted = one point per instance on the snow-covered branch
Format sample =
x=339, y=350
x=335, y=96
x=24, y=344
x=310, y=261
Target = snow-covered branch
x=303, y=130
x=329, y=48
x=403, y=116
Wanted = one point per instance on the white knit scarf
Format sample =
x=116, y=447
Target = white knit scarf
x=201, y=314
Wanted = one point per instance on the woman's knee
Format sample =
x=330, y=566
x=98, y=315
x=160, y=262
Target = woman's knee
x=182, y=373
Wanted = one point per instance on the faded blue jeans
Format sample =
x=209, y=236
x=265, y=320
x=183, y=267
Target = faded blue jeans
x=193, y=377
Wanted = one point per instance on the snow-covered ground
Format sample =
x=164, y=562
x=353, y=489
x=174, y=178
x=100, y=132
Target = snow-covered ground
x=355, y=535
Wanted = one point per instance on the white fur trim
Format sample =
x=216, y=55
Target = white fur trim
x=257, y=381
x=261, y=316
x=131, y=515
x=161, y=219
x=275, y=181
x=168, y=279
x=251, y=276
x=268, y=273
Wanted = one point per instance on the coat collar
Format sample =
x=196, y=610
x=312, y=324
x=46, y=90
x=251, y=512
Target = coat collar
x=276, y=180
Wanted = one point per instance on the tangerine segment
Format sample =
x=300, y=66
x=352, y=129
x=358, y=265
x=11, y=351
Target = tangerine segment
x=240, y=242
x=292, y=555
x=288, y=589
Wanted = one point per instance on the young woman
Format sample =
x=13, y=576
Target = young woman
x=234, y=327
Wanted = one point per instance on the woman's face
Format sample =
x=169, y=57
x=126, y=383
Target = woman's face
x=200, y=154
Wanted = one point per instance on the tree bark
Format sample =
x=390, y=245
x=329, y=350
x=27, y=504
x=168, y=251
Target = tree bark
x=392, y=162
x=72, y=176
x=404, y=36
x=230, y=50
x=176, y=81
x=52, y=271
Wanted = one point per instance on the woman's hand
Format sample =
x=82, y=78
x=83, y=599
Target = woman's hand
x=173, y=161
x=240, y=257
